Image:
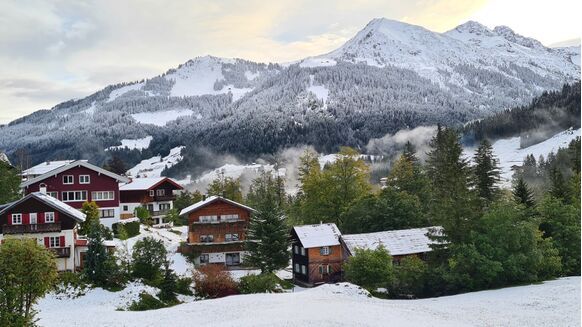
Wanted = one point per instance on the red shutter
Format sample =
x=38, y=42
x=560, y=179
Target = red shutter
x=8, y=219
x=40, y=217
x=62, y=241
x=56, y=216
x=25, y=219
x=46, y=242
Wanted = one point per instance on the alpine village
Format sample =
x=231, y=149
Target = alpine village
x=407, y=178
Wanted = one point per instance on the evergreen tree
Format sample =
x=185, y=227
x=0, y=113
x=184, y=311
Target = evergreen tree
x=408, y=176
x=522, y=193
x=148, y=257
x=452, y=203
x=97, y=259
x=9, y=183
x=486, y=172
x=267, y=236
x=558, y=186
x=168, y=284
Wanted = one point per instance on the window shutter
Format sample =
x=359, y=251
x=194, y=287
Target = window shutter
x=56, y=216
x=8, y=219
x=40, y=217
x=62, y=241
x=25, y=219
x=321, y=269
x=329, y=250
x=46, y=242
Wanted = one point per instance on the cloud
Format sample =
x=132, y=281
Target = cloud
x=391, y=144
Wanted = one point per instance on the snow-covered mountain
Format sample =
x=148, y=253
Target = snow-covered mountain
x=389, y=76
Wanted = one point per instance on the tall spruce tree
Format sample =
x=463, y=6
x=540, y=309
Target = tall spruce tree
x=267, y=236
x=486, y=172
x=96, y=263
x=452, y=202
x=9, y=183
x=522, y=193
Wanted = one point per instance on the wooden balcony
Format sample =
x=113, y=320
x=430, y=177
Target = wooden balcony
x=160, y=198
x=32, y=228
x=155, y=213
x=63, y=252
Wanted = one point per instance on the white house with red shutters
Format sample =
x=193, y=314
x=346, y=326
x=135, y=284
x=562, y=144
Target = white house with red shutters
x=49, y=221
x=74, y=182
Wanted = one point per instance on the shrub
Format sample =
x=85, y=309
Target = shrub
x=71, y=284
x=370, y=269
x=183, y=286
x=148, y=257
x=146, y=302
x=410, y=277
x=213, y=281
x=131, y=228
x=263, y=283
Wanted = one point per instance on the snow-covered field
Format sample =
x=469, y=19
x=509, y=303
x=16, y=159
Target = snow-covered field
x=161, y=118
x=154, y=166
x=510, y=154
x=553, y=303
x=131, y=144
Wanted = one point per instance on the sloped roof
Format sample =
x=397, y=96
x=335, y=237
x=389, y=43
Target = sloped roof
x=45, y=167
x=77, y=163
x=397, y=242
x=318, y=235
x=52, y=202
x=210, y=200
x=138, y=184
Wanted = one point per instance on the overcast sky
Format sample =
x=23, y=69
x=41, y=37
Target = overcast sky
x=52, y=51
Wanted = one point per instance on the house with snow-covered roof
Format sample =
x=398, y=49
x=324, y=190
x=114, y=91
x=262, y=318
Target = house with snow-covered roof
x=75, y=182
x=217, y=230
x=317, y=253
x=399, y=243
x=156, y=194
x=49, y=221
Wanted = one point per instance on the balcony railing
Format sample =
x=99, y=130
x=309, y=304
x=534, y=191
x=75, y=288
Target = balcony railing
x=32, y=228
x=155, y=213
x=158, y=198
x=220, y=221
x=63, y=252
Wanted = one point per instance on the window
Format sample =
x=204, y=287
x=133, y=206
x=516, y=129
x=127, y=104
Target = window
x=164, y=206
x=55, y=242
x=297, y=269
x=49, y=217
x=303, y=251
x=208, y=219
x=232, y=259
x=53, y=194
x=74, y=196
x=324, y=250
x=324, y=269
x=84, y=179
x=125, y=208
x=204, y=258
x=206, y=238
x=229, y=217
x=68, y=179
x=33, y=217
x=107, y=213
x=103, y=196
x=296, y=249
x=303, y=270
x=161, y=192
x=231, y=237
x=16, y=219
x=152, y=193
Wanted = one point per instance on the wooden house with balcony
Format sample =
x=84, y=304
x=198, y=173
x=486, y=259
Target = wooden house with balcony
x=75, y=182
x=217, y=230
x=155, y=194
x=51, y=222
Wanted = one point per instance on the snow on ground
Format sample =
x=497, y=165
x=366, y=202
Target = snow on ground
x=235, y=171
x=320, y=91
x=509, y=153
x=553, y=303
x=154, y=166
x=161, y=118
x=131, y=144
x=122, y=90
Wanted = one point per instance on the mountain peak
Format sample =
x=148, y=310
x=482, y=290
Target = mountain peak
x=511, y=36
x=474, y=27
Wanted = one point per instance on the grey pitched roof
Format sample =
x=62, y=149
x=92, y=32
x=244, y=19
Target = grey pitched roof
x=77, y=163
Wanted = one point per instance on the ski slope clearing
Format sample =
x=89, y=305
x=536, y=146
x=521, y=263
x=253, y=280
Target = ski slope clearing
x=510, y=154
x=154, y=166
x=161, y=118
x=553, y=303
x=131, y=144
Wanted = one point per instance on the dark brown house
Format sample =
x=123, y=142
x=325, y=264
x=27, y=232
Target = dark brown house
x=155, y=194
x=317, y=254
x=217, y=230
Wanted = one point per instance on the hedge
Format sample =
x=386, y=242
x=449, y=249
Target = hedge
x=132, y=228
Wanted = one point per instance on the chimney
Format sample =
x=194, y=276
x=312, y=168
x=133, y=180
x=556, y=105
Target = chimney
x=42, y=188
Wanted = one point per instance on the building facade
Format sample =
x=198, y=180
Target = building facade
x=155, y=194
x=76, y=182
x=217, y=230
x=49, y=221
